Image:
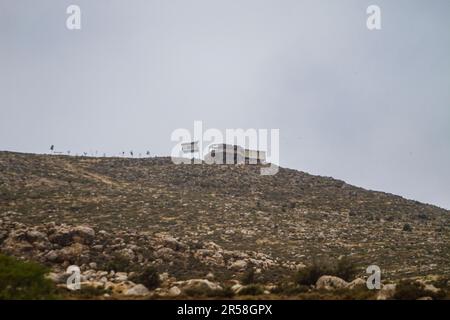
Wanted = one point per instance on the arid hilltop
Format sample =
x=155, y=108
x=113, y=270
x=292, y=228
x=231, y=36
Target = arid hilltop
x=191, y=220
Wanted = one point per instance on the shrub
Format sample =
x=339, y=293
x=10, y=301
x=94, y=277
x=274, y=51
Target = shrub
x=308, y=276
x=409, y=290
x=251, y=290
x=248, y=277
x=149, y=278
x=118, y=263
x=346, y=269
x=24, y=280
x=412, y=290
x=88, y=292
x=407, y=227
x=225, y=293
x=290, y=289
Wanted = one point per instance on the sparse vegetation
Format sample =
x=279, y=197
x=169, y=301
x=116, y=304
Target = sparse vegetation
x=189, y=221
x=251, y=290
x=149, y=278
x=118, y=263
x=344, y=268
x=248, y=277
x=309, y=275
x=410, y=290
x=289, y=289
x=24, y=280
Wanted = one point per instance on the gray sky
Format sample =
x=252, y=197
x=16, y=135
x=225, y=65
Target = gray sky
x=369, y=107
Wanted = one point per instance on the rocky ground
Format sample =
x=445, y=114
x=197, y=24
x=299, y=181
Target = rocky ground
x=203, y=226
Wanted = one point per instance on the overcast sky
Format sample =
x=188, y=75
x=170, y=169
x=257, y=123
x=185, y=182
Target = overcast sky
x=368, y=107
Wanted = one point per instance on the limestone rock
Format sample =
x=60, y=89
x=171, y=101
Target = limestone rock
x=137, y=290
x=331, y=283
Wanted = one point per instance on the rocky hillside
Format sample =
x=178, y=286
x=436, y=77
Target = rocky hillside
x=190, y=220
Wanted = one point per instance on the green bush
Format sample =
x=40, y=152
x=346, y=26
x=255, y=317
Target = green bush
x=21, y=280
x=149, y=278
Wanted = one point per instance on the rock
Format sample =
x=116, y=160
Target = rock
x=164, y=253
x=121, y=276
x=72, y=253
x=425, y=298
x=137, y=290
x=127, y=254
x=172, y=243
x=387, y=291
x=331, y=283
x=163, y=277
x=174, y=291
x=237, y=287
x=98, y=247
x=93, y=265
x=33, y=236
x=239, y=265
x=65, y=236
x=431, y=288
x=199, y=284
x=92, y=284
x=210, y=276
x=57, y=277
x=83, y=234
x=51, y=256
x=358, y=282
x=3, y=235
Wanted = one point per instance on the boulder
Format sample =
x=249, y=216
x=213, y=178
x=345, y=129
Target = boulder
x=237, y=287
x=331, y=283
x=174, y=291
x=120, y=276
x=57, y=277
x=199, y=284
x=83, y=234
x=387, y=291
x=51, y=256
x=65, y=236
x=358, y=282
x=33, y=236
x=137, y=290
x=72, y=252
x=239, y=265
